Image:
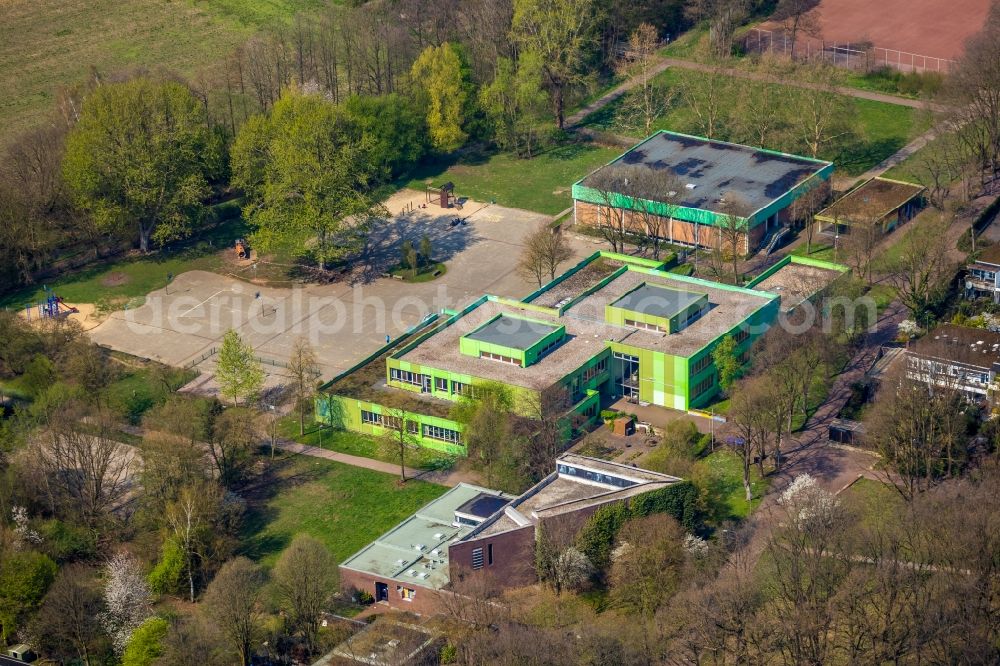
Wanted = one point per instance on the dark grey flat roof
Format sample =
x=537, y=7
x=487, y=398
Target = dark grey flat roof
x=657, y=301
x=482, y=506
x=751, y=176
x=512, y=332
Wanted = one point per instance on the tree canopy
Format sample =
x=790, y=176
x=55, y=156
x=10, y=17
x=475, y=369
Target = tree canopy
x=140, y=158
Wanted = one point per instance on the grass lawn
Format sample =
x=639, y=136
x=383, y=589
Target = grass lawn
x=541, y=183
x=820, y=250
x=357, y=444
x=47, y=45
x=882, y=128
x=128, y=280
x=425, y=274
x=719, y=476
x=138, y=390
x=344, y=507
x=871, y=500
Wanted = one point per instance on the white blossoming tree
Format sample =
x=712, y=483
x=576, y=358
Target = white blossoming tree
x=127, y=598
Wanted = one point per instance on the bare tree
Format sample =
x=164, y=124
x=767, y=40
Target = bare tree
x=231, y=447
x=748, y=412
x=922, y=270
x=544, y=251
x=733, y=232
x=919, y=429
x=68, y=617
x=304, y=576
x=654, y=196
x=724, y=17
x=648, y=100
x=305, y=373
x=192, y=520
x=402, y=432
x=85, y=474
x=861, y=243
x=797, y=16
x=804, y=209
x=614, y=220
x=820, y=116
x=233, y=602
x=709, y=95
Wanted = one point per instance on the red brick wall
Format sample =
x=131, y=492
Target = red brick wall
x=425, y=600
x=513, y=557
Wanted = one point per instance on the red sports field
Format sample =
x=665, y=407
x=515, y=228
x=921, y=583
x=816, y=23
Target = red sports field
x=933, y=28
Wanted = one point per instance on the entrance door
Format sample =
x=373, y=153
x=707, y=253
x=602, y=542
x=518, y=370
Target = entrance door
x=381, y=592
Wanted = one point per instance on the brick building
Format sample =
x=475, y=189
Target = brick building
x=472, y=531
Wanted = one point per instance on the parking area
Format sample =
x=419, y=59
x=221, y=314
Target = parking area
x=345, y=321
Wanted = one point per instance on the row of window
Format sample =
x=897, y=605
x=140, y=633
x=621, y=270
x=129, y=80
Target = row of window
x=442, y=434
x=406, y=377
x=595, y=369
x=412, y=427
x=702, y=386
x=643, y=325
x=423, y=381
x=701, y=364
x=741, y=335
x=549, y=347
x=500, y=357
x=596, y=477
x=693, y=317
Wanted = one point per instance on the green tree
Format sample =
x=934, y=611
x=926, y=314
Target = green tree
x=439, y=82
x=307, y=177
x=487, y=414
x=238, y=372
x=727, y=363
x=166, y=576
x=515, y=102
x=25, y=576
x=146, y=644
x=391, y=128
x=39, y=375
x=558, y=34
x=140, y=157
x=426, y=250
x=305, y=372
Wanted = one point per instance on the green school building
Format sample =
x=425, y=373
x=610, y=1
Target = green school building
x=612, y=327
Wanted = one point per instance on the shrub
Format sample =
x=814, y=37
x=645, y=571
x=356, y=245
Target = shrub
x=146, y=644
x=62, y=541
x=165, y=578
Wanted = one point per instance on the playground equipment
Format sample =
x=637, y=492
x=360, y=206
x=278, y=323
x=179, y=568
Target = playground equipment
x=242, y=248
x=444, y=195
x=52, y=307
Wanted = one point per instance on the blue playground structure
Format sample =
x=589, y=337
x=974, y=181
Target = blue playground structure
x=52, y=307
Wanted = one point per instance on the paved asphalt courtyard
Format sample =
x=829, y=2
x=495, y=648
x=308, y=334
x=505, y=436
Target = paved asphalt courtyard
x=344, y=321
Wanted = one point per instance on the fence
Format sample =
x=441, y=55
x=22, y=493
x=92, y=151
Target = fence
x=214, y=350
x=851, y=55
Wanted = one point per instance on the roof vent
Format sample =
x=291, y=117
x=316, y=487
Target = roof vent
x=419, y=546
x=690, y=186
x=439, y=535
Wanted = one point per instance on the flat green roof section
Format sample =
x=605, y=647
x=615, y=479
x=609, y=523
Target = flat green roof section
x=512, y=332
x=658, y=301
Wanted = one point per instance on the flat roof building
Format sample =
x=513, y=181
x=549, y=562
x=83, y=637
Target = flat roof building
x=612, y=327
x=472, y=531
x=878, y=201
x=957, y=358
x=713, y=180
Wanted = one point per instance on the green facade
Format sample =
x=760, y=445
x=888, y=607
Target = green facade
x=672, y=381
x=581, y=192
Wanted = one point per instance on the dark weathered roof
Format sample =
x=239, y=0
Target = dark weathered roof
x=873, y=200
x=513, y=332
x=723, y=174
x=948, y=342
x=990, y=255
x=482, y=506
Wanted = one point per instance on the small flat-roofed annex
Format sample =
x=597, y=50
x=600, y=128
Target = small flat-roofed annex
x=658, y=301
x=872, y=201
x=515, y=332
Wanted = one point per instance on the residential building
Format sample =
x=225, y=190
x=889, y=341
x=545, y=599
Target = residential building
x=719, y=185
x=983, y=279
x=471, y=531
x=959, y=358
